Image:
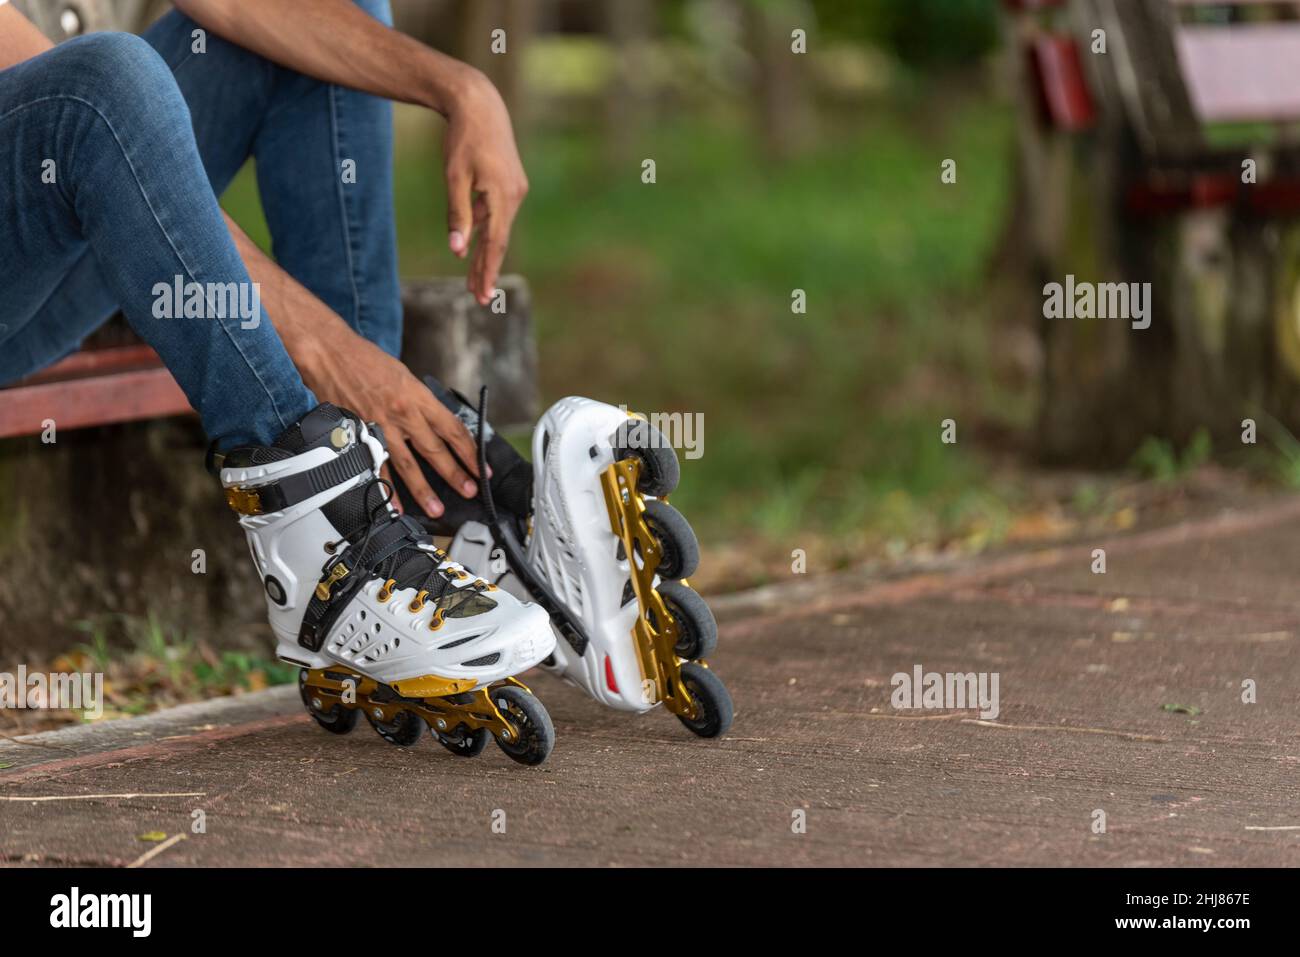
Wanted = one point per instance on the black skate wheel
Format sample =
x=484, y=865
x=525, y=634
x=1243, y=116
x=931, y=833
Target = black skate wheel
x=713, y=707
x=680, y=549
x=403, y=731
x=338, y=720
x=536, y=733
x=697, y=629
x=660, y=470
x=467, y=744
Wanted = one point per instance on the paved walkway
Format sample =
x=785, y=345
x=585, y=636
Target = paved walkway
x=1089, y=667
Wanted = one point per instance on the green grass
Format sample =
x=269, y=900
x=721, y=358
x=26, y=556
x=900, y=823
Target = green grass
x=148, y=662
x=1157, y=458
x=676, y=297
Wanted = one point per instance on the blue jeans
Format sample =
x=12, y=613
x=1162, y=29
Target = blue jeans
x=113, y=150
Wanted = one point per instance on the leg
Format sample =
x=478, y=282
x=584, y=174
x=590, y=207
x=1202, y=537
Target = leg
x=124, y=205
x=336, y=234
x=331, y=231
x=38, y=334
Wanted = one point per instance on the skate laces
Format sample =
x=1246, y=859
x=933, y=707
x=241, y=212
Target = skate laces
x=414, y=563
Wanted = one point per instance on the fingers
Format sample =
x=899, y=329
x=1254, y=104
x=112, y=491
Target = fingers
x=431, y=436
x=488, y=256
x=460, y=214
x=450, y=430
x=434, y=451
x=494, y=237
x=409, y=470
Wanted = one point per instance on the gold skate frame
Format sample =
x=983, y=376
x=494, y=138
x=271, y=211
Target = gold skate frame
x=435, y=710
x=655, y=647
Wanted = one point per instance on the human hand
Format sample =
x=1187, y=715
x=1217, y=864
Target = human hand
x=356, y=374
x=485, y=180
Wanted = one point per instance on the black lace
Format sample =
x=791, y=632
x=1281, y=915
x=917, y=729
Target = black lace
x=435, y=583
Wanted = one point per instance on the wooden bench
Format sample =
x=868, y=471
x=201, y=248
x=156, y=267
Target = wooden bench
x=1173, y=157
x=1174, y=77
x=119, y=384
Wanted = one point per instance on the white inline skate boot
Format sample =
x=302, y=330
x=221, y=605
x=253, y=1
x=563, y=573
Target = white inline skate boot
x=605, y=553
x=380, y=620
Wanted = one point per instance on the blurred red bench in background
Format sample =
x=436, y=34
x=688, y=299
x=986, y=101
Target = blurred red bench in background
x=100, y=387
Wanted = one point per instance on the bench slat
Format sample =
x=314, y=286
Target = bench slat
x=77, y=403
x=96, y=362
x=1242, y=73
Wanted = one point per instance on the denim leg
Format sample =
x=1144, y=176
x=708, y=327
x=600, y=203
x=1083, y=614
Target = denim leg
x=325, y=173
x=103, y=113
x=35, y=334
x=228, y=91
x=324, y=167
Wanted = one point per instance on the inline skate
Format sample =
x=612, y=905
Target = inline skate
x=380, y=621
x=591, y=537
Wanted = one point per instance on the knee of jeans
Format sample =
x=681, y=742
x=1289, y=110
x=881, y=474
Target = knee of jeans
x=110, y=53
x=123, y=71
x=381, y=10
x=177, y=37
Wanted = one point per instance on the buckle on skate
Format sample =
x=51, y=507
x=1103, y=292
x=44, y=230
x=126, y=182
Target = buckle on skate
x=292, y=489
x=245, y=501
x=338, y=572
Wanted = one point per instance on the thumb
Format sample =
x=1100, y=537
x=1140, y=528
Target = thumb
x=460, y=215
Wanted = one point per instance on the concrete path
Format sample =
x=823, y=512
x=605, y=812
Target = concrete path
x=1089, y=667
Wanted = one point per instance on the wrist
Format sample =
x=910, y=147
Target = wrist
x=306, y=357
x=446, y=83
x=311, y=351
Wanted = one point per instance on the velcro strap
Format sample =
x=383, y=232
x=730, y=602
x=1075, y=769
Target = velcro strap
x=320, y=615
x=292, y=489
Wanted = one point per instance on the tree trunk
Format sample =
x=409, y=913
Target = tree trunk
x=786, y=109
x=628, y=27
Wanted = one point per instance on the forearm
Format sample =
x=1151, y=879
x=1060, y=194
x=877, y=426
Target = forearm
x=19, y=38
x=337, y=42
x=342, y=367
x=305, y=324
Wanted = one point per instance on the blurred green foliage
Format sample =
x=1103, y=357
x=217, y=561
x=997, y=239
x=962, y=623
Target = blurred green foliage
x=151, y=662
x=1159, y=459
x=677, y=297
x=925, y=33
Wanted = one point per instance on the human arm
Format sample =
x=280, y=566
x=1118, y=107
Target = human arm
x=19, y=38
x=340, y=43
x=342, y=367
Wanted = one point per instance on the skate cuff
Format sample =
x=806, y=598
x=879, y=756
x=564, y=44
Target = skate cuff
x=292, y=489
